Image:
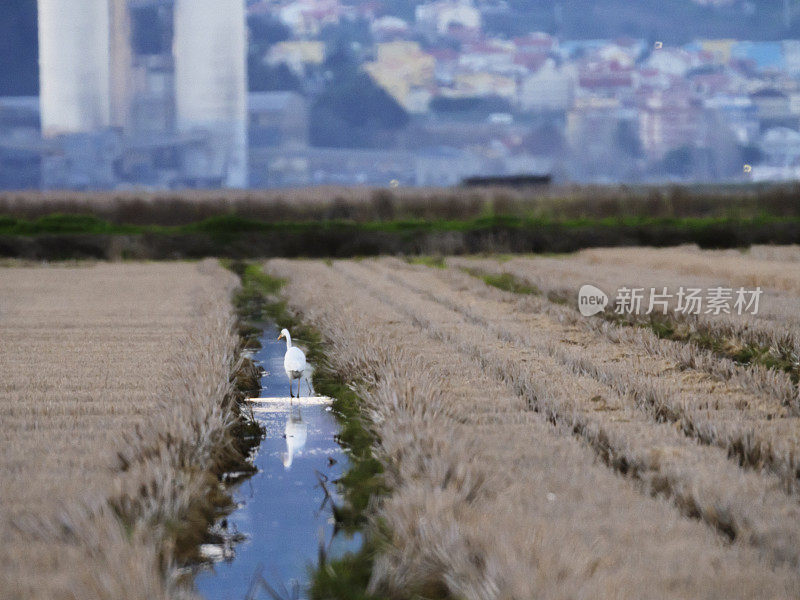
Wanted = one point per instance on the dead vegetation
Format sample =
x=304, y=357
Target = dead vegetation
x=113, y=424
x=766, y=266
x=770, y=338
x=753, y=410
x=362, y=204
x=530, y=455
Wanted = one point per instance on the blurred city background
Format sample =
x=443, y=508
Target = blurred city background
x=170, y=94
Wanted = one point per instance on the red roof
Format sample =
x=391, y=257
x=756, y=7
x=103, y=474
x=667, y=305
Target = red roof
x=531, y=60
x=444, y=54
x=484, y=47
x=604, y=75
x=541, y=41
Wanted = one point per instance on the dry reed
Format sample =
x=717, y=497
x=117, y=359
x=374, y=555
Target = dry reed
x=113, y=381
x=776, y=326
x=496, y=491
x=375, y=204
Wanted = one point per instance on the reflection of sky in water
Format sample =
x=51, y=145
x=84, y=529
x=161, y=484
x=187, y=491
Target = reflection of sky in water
x=280, y=506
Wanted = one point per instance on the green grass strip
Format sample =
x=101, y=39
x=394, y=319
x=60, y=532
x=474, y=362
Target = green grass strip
x=780, y=359
x=229, y=225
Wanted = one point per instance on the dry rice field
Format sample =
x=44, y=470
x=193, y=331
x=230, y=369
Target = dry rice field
x=112, y=380
x=536, y=453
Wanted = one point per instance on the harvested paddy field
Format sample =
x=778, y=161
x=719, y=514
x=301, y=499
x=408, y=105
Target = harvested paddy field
x=534, y=452
x=113, y=381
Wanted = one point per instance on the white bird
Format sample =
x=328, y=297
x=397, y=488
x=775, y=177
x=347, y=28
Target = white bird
x=294, y=362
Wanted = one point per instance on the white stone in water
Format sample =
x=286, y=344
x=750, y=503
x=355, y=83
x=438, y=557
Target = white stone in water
x=212, y=552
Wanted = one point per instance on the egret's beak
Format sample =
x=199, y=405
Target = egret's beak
x=280, y=337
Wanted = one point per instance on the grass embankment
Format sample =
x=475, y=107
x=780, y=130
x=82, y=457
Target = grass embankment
x=755, y=354
x=346, y=577
x=362, y=222
x=674, y=327
x=224, y=225
x=714, y=412
x=504, y=281
x=663, y=326
x=704, y=336
x=228, y=434
x=365, y=205
x=231, y=224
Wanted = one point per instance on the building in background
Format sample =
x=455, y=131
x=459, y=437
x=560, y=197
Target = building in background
x=297, y=55
x=444, y=16
x=781, y=147
x=548, y=89
x=278, y=129
x=278, y=120
x=211, y=88
x=671, y=120
x=443, y=166
x=120, y=63
x=21, y=145
x=153, y=93
x=405, y=72
x=75, y=81
x=112, y=116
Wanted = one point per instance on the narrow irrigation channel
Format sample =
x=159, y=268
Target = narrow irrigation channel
x=284, y=513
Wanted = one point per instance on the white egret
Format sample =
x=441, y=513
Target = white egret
x=294, y=362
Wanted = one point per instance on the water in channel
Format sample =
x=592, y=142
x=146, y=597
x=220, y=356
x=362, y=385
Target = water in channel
x=282, y=512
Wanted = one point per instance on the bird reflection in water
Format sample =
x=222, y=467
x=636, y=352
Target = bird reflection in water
x=296, y=432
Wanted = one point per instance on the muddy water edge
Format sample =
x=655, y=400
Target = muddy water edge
x=344, y=571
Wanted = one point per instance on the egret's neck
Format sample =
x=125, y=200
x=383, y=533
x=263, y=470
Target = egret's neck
x=288, y=340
